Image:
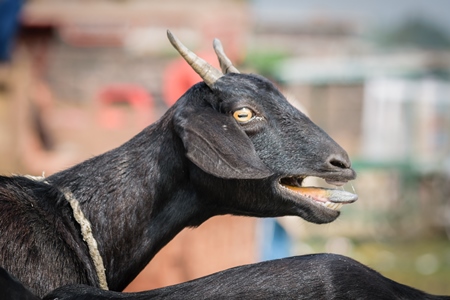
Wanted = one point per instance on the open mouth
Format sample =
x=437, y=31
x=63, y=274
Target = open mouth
x=330, y=198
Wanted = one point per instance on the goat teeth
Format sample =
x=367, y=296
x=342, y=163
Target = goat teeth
x=336, y=183
x=330, y=198
x=324, y=194
x=333, y=206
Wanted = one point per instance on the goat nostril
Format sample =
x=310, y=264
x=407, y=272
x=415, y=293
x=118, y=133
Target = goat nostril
x=339, y=162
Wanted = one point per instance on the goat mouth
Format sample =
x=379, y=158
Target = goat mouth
x=330, y=198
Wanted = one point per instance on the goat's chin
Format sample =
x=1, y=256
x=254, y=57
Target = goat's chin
x=320, y=217
x=315, y=214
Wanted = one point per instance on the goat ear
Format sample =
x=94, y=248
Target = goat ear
x=217, y=145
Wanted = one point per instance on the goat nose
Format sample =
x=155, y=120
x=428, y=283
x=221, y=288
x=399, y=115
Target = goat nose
x=339, y=161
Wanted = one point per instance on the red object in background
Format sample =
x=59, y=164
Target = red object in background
x=179, y=76
x=112, y=116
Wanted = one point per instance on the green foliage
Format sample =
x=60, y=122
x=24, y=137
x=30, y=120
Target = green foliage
x=415, y=32
x=265, y=62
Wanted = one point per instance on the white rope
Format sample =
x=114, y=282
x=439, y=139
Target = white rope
x=86, y=232
x=88, y=237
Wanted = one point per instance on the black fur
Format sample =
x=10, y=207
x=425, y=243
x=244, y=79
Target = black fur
x=309, y=277
x=194, y=163
x=11, y=289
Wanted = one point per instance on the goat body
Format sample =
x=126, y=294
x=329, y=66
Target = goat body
x=202, y=158
x=309, y=277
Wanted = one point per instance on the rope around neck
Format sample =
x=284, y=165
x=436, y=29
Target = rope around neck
x=86, y=232
x=88, y=237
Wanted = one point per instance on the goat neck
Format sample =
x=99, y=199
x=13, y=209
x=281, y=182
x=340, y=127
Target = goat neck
x=137, y=198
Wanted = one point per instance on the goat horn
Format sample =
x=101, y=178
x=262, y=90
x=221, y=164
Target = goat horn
x=208, y=73
x=225, y=63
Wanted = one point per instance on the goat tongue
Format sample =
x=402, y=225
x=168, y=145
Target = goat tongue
x=325, y=194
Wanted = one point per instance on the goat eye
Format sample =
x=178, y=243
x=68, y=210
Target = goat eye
x=243, y=115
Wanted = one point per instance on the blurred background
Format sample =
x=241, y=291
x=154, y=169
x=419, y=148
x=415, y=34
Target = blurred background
x=79, y=77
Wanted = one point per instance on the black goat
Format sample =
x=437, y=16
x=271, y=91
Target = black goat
x=313, y=277
x=230, y=145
